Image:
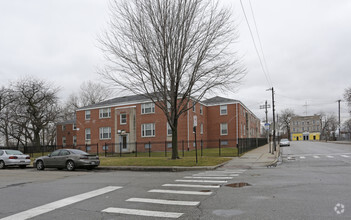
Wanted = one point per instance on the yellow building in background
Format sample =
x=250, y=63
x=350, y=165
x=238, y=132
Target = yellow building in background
x=306, y=128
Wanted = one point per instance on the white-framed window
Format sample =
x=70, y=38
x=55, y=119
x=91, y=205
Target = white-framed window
x=224, y=129
x=148, y=108
x=87, y=134
x=105, y=133
x=223, y=109
x=74, y=140
x=87, y=115
x=201, y=110
x=74, y=126
x=105, y=113
x=244, y=130
x=63, y=127
x=148, y=130
x=63, y=141
x=169, y=130
x=201, y=128
x=194, y=107
x=123, y=118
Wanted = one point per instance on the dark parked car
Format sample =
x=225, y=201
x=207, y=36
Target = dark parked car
x=13, y=158
x=67, y=158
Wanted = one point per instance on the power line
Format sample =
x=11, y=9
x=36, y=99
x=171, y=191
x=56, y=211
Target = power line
x=254, y=43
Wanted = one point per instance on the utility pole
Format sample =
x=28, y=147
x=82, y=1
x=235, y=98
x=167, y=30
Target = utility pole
x=265, y=106
x=339, y=118
x=274, y=144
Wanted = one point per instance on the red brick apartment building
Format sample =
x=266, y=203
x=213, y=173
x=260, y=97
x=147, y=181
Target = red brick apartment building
x=124, y=121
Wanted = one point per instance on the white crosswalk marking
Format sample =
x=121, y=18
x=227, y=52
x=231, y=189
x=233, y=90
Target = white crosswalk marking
x=302, y=157
x=143, y=212
x=181, y=192
x=194, y=186
x=214, y=174
x=329, y=156
x=164, y=202
x=60, y=203
x=315, y=156
x=202, y=181
x=345, y=156
x=209, y=177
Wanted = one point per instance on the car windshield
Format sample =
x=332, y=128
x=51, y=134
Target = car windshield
x=284, y=140
x=78, y=152
x=13, y=152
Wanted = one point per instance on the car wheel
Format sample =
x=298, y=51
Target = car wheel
x=2, y=164
x=23, y=166
x=40, y=165
x=70, y=166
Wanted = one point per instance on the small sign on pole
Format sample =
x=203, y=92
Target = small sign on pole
x=266, y=126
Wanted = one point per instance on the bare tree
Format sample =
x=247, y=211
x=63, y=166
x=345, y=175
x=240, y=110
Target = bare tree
x=347, y=126
x=329, y=126
x=171, y=51
x=90, y=93
x=285, y=120
x=347, y=97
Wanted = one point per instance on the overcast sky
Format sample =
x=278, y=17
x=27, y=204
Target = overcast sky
x=307, y=46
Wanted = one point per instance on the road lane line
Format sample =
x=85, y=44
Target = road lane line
x=302, y=157
x=181, y=192
x=60, y=203
x=345, y=156
x=330, y=156
x=143, y=212
x=214, y=174
x=194, y=186
x=164, y=202
x=202, y=181
x=209, y=177
x=316, y=157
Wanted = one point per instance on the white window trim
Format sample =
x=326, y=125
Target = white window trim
x=220, y=126
x=201, y=128
x=101, y=133
x=201, y=110
x=143, y=108
x=226, y=110
x=74, y=126
x=64, y=141
x=120, y=119
x=87, y=114
x=101, y=113
x=194, y=107
x=86, y=134
x=75, y=140
x=169, y=128
x=153, y=130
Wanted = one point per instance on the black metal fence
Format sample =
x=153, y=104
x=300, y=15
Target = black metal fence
x=186, y=148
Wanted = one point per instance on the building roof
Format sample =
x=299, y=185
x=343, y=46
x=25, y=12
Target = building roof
x=219, y=100
x=67, y=122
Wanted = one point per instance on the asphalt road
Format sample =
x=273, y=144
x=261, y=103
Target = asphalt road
x=309, y=183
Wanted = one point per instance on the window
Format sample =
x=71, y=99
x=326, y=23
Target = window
x=64, y=153
x=105, y=113
x=87, y=134
x=169, y=130
x=294, y=129
x=148, y=130
x=74, y=140
x=201, y=128
x=224, y=143
x=123, y=118
x=147, y=146
x=63, y=141
x=105, y=133
x=148, y=108
x=244, y=130
x=223, y=109
x=303, y=123
x=87, y=115
x=303, y=129
x=63, y=127
x=194, y=108
x=169, y=145
x=224, y=128
x=201, y=109
x=74, y=126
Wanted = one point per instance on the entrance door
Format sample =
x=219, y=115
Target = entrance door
x=124, y=142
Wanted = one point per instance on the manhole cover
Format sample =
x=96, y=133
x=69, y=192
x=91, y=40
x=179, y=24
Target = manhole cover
x=236, y=185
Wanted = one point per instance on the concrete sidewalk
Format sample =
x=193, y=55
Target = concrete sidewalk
x=259, y=157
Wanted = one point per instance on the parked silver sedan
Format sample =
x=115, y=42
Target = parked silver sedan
x=67, y=158
x=13, y=158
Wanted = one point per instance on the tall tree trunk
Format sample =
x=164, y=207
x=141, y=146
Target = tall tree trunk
x=175, y=139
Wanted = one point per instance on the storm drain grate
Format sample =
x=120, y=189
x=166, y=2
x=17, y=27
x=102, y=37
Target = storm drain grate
x=237, y=185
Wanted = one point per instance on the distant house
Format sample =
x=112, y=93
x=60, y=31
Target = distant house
x=304, y=128
x=126, y=121
x=66, y=133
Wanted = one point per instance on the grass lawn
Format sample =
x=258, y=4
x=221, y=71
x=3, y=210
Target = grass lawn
x=161, y=161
